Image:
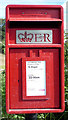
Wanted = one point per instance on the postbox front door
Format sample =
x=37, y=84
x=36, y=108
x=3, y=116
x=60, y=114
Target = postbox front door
x=33, y=77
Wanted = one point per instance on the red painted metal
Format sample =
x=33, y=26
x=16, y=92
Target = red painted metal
x=34, y=46
x=34, y=17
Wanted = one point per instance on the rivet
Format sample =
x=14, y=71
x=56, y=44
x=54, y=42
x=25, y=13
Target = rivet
x=22, y=12
x=46, y=13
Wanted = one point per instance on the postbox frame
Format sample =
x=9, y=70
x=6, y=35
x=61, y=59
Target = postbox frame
x=60, y=46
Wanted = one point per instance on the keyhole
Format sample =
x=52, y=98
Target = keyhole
x=18, y=80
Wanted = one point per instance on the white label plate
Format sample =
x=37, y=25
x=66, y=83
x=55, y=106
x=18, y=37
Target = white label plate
x=35, y=78
x=34, y=36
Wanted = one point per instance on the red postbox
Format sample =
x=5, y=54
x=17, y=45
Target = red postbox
x=34, y=59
